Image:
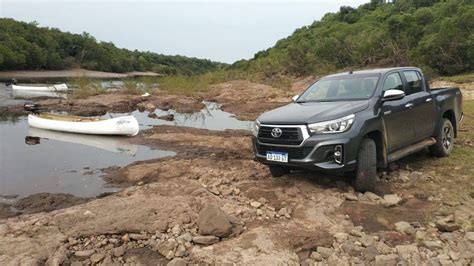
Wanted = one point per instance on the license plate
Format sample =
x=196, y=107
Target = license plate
x=277, y=156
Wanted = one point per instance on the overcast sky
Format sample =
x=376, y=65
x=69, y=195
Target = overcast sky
x=223, y=31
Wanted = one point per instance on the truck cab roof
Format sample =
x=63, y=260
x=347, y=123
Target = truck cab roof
x=380, y=71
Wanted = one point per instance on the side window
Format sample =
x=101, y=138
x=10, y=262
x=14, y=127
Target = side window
x=413, y=81
x=393, y=82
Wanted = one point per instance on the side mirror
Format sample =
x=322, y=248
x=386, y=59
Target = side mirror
x=392, y=95
x=294, y=98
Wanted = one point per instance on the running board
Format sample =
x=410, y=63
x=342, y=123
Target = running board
x=411, y=149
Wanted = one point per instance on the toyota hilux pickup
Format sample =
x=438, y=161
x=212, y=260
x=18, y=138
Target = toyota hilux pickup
x=357, y=122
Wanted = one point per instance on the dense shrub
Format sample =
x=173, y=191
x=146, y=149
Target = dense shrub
x=27, y=46
x=435, y=35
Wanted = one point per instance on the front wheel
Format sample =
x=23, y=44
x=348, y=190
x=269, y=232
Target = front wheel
x=366, y=170
x=444, y=139
x=278, y=170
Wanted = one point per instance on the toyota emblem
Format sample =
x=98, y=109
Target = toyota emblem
x=276, y=132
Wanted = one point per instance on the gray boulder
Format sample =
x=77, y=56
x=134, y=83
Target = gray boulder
x=214, y=222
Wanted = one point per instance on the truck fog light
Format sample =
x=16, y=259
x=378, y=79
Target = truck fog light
x=338, y=154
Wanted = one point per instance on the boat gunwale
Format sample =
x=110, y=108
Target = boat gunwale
x=68, y=118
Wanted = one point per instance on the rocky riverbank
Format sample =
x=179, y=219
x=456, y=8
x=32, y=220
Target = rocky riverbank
x=212, y=204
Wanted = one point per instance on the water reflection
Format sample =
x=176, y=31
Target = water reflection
x=115, y=144
x=62, y=162
x=210, y=117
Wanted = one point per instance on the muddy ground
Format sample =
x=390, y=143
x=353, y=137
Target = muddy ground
x=212, y=204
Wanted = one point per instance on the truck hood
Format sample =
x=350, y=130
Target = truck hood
x=312, y=112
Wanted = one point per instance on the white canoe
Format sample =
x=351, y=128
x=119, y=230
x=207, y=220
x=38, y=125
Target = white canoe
x=107, y=143
x=34, y=94
x=57, y=87
x=124, y=125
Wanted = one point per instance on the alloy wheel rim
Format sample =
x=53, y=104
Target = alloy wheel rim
x=447, y=139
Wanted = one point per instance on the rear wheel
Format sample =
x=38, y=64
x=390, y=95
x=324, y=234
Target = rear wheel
x=278, y=170
x=366, y=170
x=444, y=139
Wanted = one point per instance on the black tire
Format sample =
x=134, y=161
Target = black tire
x=278, y=170
x=366, y=170
x=444, y=139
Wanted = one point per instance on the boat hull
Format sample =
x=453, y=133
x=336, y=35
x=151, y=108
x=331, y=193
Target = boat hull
x=124, y=125
x=55, y=88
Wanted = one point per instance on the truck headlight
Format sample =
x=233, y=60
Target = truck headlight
x=255, y=128
x=333, y=126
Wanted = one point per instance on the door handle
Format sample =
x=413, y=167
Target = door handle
x=409, y=105
x=428, y=100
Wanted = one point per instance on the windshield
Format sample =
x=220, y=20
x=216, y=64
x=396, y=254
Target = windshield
x=344, y=88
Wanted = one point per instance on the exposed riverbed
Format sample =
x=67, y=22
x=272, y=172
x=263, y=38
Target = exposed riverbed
x=34, y=160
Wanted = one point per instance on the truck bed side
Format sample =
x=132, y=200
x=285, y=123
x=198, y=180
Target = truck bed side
x=448, y=105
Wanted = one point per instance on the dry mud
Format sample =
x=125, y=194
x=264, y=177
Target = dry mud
x=421, y=213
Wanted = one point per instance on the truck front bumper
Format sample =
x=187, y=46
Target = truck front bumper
x=315, y=153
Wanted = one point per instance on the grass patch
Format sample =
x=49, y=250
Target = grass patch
x=463, y=78
x=462, y=155
x=133, y=87
x=86, y=87
x=193, y=85
x=468, y=107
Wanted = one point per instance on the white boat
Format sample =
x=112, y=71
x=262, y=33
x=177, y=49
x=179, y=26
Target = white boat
x=34, y=94
x=124, y=125
x=108, y=143
x=57, y=87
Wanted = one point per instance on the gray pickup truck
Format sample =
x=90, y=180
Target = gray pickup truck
x=357, y=122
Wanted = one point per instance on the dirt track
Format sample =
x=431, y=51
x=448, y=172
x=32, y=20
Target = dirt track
x=302, y=218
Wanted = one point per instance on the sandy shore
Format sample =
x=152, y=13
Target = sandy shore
x=28, y=75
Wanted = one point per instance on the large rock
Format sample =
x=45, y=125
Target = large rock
x=119, y=251
x=469, y=237
x=406, y=251
x=84, y=253
x=169, y=117
x=96, y=258
x=350, y=196
x=405, y=228
x=167, y=248
x=213, y=221
x=205, y=240
x=325, y=252
x=390, y=200
x=447, y=224
x=177, y=262
x=386, y=260
x=369, y=196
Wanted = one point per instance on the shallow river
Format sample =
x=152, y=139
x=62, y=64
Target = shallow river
x=34, y=160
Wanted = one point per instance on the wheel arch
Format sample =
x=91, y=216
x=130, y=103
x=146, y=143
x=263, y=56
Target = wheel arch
x=449, y=114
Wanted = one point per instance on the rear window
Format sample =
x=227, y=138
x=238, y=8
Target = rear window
x=413, y=79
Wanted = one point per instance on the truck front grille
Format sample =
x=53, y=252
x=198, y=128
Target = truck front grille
x=293, y=153
x=289, y=136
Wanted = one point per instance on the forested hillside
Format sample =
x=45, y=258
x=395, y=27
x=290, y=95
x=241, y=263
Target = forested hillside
x=27, y=46
x=436, y=35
